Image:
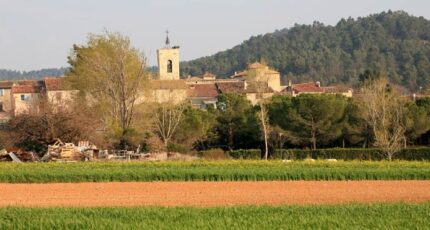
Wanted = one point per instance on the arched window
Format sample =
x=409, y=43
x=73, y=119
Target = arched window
x=169, y=66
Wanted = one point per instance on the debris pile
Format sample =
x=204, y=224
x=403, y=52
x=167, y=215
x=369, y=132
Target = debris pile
x=60, y=151
x=17, y=155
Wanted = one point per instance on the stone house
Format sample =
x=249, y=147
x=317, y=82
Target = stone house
x=26, y=96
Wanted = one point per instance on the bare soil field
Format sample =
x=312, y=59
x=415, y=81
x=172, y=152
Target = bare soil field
x=206, y=194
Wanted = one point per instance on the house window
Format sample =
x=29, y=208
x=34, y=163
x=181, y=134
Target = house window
x=1, y=107
x=25, y=97
x=169, y=66
x=1, y=92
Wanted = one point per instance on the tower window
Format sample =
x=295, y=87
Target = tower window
x=169, y=66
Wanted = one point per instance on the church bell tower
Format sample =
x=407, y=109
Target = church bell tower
x=168, y=61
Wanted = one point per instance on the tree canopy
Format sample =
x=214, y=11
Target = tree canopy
x=392, y=42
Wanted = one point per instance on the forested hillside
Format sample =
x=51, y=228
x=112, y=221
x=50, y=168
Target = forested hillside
x=34, y=74
x=392, y=42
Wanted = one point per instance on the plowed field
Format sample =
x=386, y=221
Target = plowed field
x=204, y=194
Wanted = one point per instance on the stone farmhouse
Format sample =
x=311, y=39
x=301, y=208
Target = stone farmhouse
x=17, y=97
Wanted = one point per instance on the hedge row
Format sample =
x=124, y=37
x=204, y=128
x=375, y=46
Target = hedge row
x=419, y=153
x=245, y=154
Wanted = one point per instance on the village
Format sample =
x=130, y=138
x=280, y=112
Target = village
x=26, y=96
x=22, y=96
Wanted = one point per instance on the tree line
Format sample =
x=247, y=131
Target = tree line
x=6, y=74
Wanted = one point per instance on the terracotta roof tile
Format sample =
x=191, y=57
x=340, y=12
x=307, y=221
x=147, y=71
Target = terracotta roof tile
x=231, y=87
x=55, y=83
x=26, y=89
x=6, y=84
x=28, y=86
x=309, y=87
x=203, y=90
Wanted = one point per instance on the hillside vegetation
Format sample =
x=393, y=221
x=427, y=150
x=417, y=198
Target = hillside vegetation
x=392, y=42
x=6, y=74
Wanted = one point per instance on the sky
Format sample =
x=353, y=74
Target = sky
x=36, y=34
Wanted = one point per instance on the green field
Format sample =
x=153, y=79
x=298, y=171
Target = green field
x=213, y=171
x=353, y=216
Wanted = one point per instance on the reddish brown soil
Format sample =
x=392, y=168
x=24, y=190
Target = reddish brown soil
x=212, y=193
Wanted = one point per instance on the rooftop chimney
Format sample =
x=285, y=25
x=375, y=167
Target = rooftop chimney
x=318, y=84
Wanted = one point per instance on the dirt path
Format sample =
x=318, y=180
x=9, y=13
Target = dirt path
x=212, y=193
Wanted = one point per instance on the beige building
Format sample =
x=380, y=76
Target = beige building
x=262, y=73
x=26, y=96
x=6, y=96
x=167, y=91
x=58, y=93
x=168, y=62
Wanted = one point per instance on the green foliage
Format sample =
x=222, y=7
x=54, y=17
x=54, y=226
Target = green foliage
x=229, y=170
x=421, y=153
x=345, y=216
x=112, y=73
x=236, y=126
x=308, y=118
x=245, y=154
x=195, y=128
x=393, y=42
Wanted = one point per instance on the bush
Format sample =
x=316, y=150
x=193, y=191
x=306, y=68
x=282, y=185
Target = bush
x=419, y=153
x=178, y=148
x=245, y=154
x=213, y=154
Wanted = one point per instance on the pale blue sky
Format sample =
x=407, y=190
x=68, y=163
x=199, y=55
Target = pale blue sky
x=38, y=34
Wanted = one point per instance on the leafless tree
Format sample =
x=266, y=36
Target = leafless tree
x=167, y=117
x=258, y=83
x=384, y=109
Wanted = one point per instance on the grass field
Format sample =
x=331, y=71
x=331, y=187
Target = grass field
x=212, y=171
x=353, y=216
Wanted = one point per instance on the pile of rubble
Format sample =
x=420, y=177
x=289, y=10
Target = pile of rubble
x=17, y=155
x=84, y=151
x=70, y=152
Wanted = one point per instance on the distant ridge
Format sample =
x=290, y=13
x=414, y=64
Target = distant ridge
x=392, y=42
x=29, y=75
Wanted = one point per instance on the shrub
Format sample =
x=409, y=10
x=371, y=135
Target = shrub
x=213, y=154
x=420, y=153
x=245, y=154
x=178, y=148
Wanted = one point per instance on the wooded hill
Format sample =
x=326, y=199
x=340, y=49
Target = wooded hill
x=392, y=42
x=34, y=74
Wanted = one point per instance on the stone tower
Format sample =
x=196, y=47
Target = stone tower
x=168, y=61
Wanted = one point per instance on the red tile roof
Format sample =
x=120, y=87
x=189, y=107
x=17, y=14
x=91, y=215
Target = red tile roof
x=231, y=87
x=203, y=90
x=6, y=84
x=55, y=83
x=336, y=89
x=28, y=86
x=26, y=89
x=310, y=87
